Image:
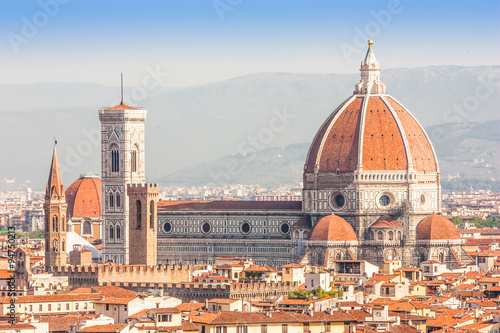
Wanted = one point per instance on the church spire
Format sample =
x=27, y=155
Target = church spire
x=55, y=185
x=370, y=74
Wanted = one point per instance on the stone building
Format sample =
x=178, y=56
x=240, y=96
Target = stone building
x=371, y=164
x=84, y=201
x=122, y=164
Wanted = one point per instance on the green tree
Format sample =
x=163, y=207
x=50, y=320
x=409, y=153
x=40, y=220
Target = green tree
x=457, y=220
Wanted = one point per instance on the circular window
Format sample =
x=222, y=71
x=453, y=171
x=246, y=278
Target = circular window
x=206, y=227
x=245, y=228
x=337, y=201
x=384, y=200
x=167, y=227
x=285, y=228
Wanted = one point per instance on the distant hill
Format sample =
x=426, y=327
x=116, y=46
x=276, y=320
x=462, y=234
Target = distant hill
x=193, y=125
x=470, y=151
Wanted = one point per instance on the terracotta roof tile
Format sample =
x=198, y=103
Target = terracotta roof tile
x=436, y=227
x=332, y=228
x=84, y=197
x=110, y=328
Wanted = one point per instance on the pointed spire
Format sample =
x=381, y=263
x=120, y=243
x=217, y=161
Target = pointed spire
x=54, y=184
x=370, y=74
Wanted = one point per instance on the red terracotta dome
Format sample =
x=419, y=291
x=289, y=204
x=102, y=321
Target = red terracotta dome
x=437, y=227
x=84, y=197
x=371, y=131
x=386, y=221
x=332, y=228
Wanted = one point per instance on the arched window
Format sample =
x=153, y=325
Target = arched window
x=441, y=257
x=380, y=235
x=55, y=245
x=373, y=235
x=338, y=256
x=138, y=208
x=115, y=159
x=87, y=228
x=111, y=232
x=152, y=214
x=391, y=235
x=422, y=257
x=133, y=160
x=111, y=200
x=55, y=224
x=118, y=200
x=63, y=248
x=118, y=232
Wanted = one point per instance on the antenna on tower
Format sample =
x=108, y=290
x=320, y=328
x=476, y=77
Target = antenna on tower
x=55, y=141
x=122, y=87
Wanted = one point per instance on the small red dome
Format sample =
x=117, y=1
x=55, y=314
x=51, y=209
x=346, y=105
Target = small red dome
x=84, y=197
x=437, y=227
x=332, y=228
x=386, y=221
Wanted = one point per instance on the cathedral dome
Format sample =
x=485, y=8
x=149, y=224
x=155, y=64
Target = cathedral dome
x=437, y=227
x=371, y=131
x=332, y=228
x=386, y=221
x=84, y=197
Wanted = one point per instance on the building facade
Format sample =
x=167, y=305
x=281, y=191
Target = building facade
x=370, y=187
x=122, y=164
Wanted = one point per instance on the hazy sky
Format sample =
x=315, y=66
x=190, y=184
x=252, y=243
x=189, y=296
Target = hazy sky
x=209, y=40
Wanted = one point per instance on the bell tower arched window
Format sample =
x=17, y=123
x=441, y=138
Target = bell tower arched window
x=55, y=224
x=138, y=207
x=111, y=232
x=118, y=200
x=133, y=160
x=55, y=245
x=115, y=159
x=151, y=214
x=118, y=232
x=111, y=200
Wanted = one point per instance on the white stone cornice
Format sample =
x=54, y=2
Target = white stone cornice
x=359, y=167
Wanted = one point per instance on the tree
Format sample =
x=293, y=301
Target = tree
x=457, y=220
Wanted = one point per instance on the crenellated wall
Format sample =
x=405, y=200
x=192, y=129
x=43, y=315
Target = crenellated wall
x=86, y=276
x=201, y=292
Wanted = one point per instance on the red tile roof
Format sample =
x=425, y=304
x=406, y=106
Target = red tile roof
x=332, y=228
x=437, y=227
x=386, y=221
x=110, y=328
x=336, y=144
x=121, y=106
x=84, y=197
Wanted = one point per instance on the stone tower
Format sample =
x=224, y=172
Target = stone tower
x=55, y=217
x=143, y=226
x=122, y=164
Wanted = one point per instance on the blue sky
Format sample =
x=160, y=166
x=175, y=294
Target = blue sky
x=211, y=40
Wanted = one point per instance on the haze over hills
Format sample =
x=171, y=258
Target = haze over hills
x=200, y=124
